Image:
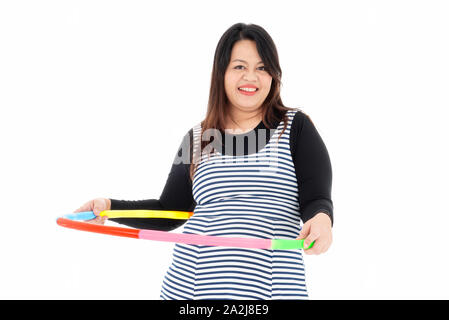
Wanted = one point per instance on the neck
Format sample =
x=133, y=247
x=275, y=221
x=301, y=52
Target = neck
x=243, y=121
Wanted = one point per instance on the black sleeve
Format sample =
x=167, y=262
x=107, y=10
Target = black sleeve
x=176, y=195
x=313, y=168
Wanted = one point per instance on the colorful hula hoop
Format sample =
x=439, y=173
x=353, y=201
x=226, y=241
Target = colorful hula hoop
x=75, y=221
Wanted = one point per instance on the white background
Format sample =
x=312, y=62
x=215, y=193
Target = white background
x=96, y=96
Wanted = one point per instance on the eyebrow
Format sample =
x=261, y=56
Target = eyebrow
x=245, y=61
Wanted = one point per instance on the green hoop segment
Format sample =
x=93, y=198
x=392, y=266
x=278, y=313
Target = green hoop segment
x=289, y=244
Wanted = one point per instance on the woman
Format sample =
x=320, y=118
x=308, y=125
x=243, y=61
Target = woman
x=264, y=171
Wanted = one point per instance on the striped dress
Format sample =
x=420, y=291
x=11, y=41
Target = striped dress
x=255, y=196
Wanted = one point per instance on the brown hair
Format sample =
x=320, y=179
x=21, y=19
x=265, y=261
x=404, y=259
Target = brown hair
x=273, y=110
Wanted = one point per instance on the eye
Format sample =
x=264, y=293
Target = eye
x=237, y=67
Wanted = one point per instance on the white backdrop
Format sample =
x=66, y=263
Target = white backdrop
x=96, y=96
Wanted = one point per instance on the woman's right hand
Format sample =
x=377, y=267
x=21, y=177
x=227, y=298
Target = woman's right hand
x=96, y=205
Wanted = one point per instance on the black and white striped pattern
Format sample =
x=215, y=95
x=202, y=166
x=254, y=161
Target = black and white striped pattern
x=245, y=196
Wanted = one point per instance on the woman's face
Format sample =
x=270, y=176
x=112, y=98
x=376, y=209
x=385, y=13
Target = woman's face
x=246, y=69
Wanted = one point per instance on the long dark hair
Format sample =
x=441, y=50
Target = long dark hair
x=273, y=110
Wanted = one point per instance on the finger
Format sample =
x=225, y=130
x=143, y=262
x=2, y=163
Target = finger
x=80, y=209
x=318, y=249
x=309, y=251
x=323, y=243
x=326, y=245
x=314, y=250
x=98, y=207
x=100, y=219
x=97, y=220
x=313, y=236
x=320, y=246
x=85, y=207
x=103, y=219
x=304, y=231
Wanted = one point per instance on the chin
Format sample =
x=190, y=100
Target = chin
x=249, y=108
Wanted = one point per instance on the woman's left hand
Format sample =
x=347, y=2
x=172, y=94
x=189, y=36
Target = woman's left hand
x=318, y=229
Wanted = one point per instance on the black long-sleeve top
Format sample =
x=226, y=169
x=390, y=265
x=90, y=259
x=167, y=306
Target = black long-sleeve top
x=312, y=166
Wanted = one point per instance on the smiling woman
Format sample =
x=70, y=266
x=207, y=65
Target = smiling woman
x=246, y=77
x=280, y=178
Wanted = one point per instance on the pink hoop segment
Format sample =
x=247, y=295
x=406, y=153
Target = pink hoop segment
x=70, y=221
x=167, y=236
x=205, y=240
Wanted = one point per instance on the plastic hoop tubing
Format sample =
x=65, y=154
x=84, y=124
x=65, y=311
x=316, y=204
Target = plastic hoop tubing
x=169, y=214
x=68, y=221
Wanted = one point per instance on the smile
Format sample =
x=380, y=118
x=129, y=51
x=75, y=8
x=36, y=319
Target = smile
x=248, y=91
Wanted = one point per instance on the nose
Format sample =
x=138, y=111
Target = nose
x=249, y=76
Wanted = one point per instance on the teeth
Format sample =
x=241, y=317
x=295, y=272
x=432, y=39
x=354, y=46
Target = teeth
x=248, y=89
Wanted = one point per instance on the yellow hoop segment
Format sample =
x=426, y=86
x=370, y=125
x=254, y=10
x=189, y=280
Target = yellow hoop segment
x=146, y=214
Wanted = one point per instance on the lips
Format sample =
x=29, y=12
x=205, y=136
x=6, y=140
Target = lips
x=250, y=86
x=252, y=89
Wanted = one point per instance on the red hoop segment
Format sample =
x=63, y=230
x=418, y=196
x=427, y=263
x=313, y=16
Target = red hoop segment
x=85, y=226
